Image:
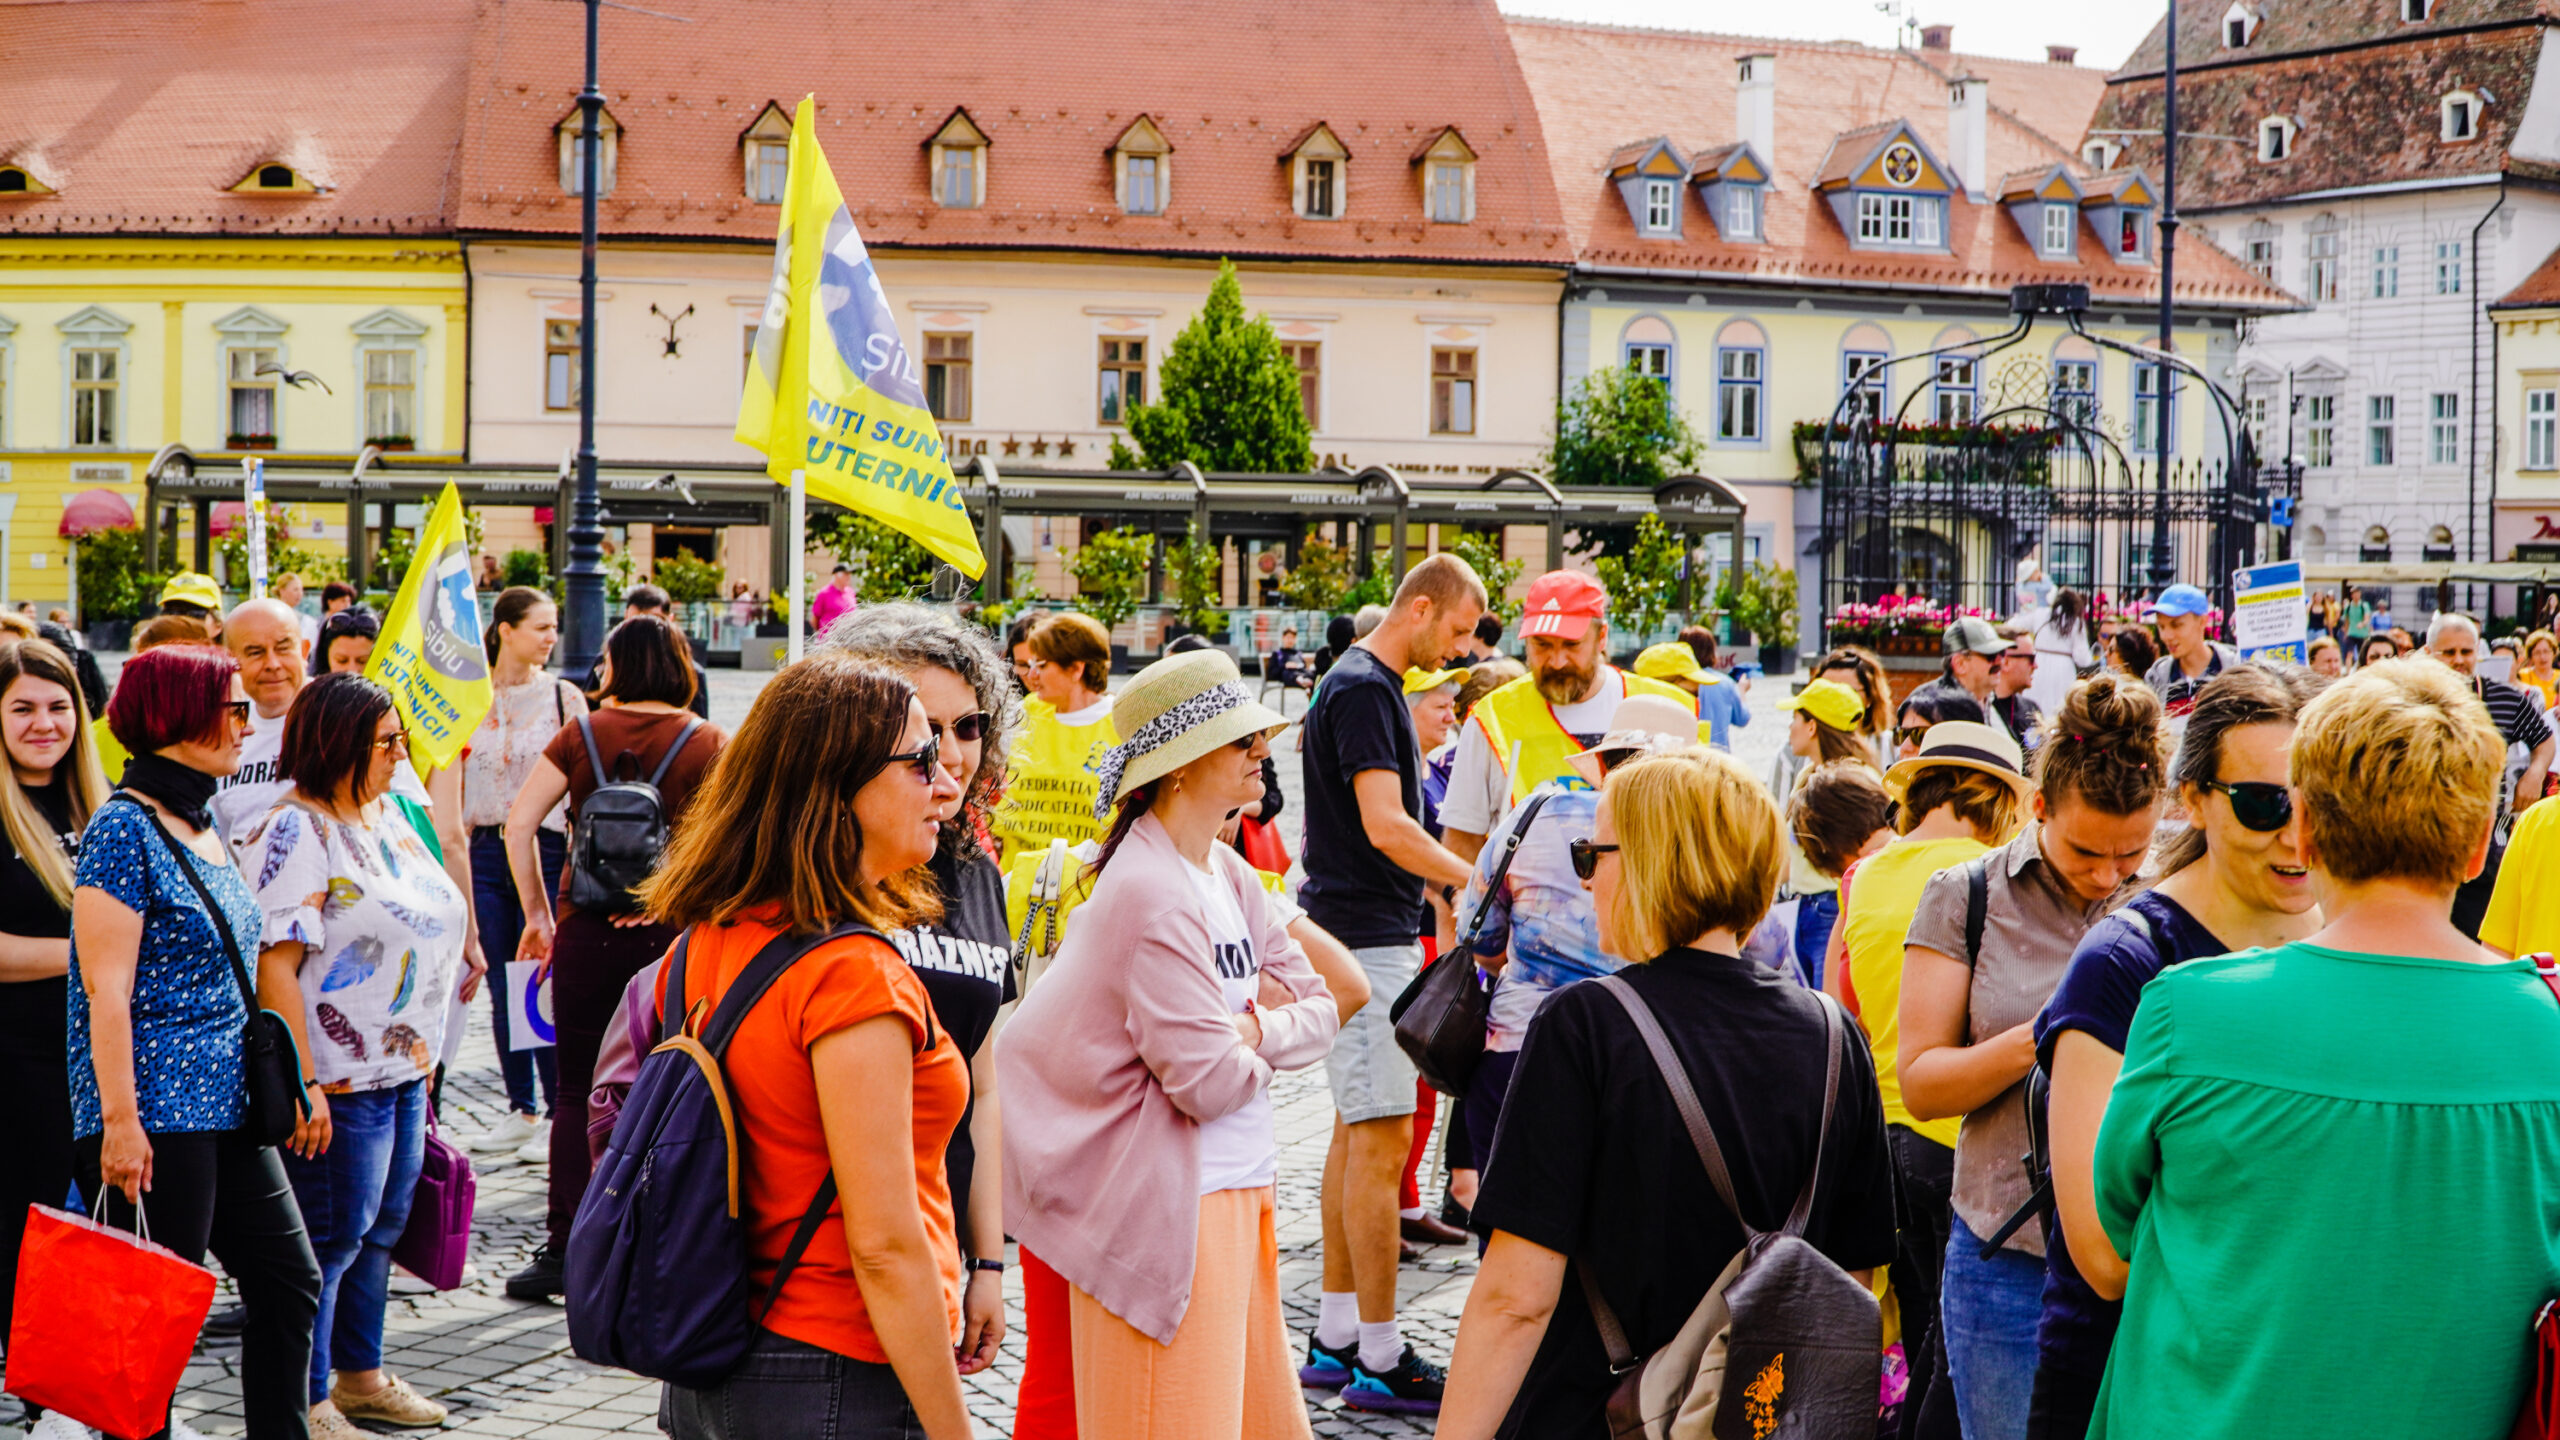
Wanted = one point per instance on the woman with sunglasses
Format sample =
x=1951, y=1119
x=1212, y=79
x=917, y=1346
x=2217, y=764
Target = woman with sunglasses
x=158, y=916
x=359, y=949
x=1140, y=1153
x=2235, y=879
x=1926, y=708
x=589, y=955
x=1067, y=728
x=824, y=812
x=964, y=957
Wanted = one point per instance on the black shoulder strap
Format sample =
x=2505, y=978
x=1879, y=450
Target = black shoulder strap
x=1529, y=809
x=595, y=757
x=559, y=703
x=671, y=1012
x=1977, y=906
x=667, y=761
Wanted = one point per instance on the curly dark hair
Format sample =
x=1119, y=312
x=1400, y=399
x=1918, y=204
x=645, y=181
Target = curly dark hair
x=908, y=636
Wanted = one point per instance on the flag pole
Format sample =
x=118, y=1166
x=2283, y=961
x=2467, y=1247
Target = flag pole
x=799, y=557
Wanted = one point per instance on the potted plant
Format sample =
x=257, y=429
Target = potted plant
x=1196, y=569
x=238, y=441
x=393, y=442
x=1776, y=618
x=1110, y=571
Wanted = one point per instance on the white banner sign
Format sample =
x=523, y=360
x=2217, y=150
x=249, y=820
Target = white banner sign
x=2268, y=619
x=528, y=1008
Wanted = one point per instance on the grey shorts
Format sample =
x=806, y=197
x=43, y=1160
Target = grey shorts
x=1371, y=1076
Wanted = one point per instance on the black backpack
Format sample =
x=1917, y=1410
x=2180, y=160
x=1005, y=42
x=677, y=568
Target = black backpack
x=621, y=829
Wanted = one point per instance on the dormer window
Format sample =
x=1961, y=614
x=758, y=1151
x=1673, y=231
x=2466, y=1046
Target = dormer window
x=958, y=153
x=1898, y=219
x=1887, y=191
x=573, y=152
x=2059, y=221
x=2100, y=154
x=2130, y=229
x=1742, y=212
x=2459, y=116
x=1141, y=168
x=1319, y=174
x=1661, y=207
x=764, y=150
x=2239, y=27
x=1447, y=169
x=274, y=178
x=1649, y=176
x=1733, y=185
x=15, y=180
x=2275, y=138
x=2417, y=12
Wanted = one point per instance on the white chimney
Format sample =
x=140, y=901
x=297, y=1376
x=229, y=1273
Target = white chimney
x=1969, y=132
x=1755, y=106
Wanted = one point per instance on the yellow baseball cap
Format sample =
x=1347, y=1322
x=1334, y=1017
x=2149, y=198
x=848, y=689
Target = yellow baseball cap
x=1672, y=660
x=1828, y=701
x=193, y=589
x=1417, y=681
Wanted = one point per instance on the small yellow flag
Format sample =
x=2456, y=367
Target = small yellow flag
x=833, y=389
x=430, y=653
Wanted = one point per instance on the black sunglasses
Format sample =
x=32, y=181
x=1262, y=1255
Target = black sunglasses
x=2256, y=804
x=1586, y=857
x=1911, y=734
x=968, y=729
x=237, y=710
x=925, y=758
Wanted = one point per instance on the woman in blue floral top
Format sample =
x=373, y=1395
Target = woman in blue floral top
x=156, y=1014
x=361, y=948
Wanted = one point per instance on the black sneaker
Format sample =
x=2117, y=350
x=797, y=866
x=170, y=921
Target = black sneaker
x=1412, y=1388
x=1453, y=1214
x=226, y=1323
x=1326, y=1367
x=541, y=1279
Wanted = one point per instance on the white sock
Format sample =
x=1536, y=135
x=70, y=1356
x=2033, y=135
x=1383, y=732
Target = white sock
x=1337, y=1319
x=1413, y=1214
x=1381, y=1346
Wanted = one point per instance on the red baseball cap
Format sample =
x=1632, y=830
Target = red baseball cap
x=1563, y=603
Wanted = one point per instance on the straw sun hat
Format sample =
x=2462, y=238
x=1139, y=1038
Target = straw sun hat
x=1173, y=712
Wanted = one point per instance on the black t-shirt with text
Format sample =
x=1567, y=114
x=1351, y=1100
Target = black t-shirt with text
x=1592, y=1159
x=1358, y=722
x=966, y=966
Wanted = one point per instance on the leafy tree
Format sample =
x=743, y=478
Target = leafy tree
x=1620, y=428
x=1374, y=589
x=1321, y=577
x=1196, y=567
x=1483, y=554
x=1110, y=569
x=1642, y=581
x=113, y=583
x=528, y=567
x=1227, y=394
x=688, y=581
x=886, y=564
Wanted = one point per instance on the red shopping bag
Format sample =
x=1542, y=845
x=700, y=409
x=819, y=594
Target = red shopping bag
x=104, y=1323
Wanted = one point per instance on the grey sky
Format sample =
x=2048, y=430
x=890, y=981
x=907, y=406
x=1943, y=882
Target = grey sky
x=2018, y=29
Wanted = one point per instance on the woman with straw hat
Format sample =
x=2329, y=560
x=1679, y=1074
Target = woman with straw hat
x=1139, y=1150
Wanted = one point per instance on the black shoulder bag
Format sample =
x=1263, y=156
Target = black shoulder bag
x=271, y=1068
x=1440, y=1017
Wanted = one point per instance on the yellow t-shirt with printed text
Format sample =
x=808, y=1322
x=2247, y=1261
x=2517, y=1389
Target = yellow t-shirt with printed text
x=1050, y=782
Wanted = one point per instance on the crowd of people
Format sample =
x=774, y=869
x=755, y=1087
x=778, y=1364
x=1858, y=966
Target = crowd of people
x=1969, y=994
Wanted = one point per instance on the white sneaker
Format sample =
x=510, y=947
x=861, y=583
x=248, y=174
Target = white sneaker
x=537, y=1150
x=57, y=1426
x=508, y=1134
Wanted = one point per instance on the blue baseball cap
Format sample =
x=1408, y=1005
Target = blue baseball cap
x=2180, y=600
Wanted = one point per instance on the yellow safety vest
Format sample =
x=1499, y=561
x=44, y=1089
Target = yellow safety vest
x=1049, y=783
x=1518, y=716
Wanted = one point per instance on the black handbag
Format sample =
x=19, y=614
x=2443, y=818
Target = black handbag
x=1440, y=1017
x=270, y=1065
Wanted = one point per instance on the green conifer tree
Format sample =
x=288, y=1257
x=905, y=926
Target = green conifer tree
x=1227, y=394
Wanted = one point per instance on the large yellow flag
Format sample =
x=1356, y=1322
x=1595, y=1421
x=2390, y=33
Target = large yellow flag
x=430, y=653
x=833, y=390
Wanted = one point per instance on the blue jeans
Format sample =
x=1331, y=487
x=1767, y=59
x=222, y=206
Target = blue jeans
x=788, y=1390
x=355, y=1202
x=1987, y=1312
x=501, y=924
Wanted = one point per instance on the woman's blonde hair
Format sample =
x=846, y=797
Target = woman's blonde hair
x=30, y=833
x=2396, y=771
x=1699, y=849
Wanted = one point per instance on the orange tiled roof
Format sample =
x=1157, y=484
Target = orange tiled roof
x=142, y=114
x=1229, y=84
x=1598, y=84
x=2540, y=288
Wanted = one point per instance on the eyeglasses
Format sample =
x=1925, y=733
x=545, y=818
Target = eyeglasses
x=925, y=759
x=1586, y=857
x=236, y=711
x=1911, y=734
x=2256, y=804
x=968, y=729
x=397, y=740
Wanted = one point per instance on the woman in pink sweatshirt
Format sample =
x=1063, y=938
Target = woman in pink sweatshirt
x=1139, y=1153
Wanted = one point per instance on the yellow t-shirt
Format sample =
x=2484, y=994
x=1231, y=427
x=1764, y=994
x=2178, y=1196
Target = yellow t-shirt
x=2524, y=909
x=111, y=751
x=1884, y=893
x=1050, y=782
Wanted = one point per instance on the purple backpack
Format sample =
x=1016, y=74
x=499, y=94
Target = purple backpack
x=657, y=1260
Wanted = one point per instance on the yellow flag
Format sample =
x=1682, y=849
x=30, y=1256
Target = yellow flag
x=833, y=390
x=430, y=653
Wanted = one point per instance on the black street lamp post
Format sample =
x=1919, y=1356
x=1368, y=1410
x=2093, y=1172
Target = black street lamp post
x=2164, y=571
x=584, y=631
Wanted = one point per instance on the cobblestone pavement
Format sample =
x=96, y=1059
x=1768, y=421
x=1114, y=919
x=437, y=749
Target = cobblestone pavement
x=503, y=1367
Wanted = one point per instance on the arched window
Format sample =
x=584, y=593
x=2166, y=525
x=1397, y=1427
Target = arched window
x=1648, y=347
x=2377, y=546
x=1862, y=351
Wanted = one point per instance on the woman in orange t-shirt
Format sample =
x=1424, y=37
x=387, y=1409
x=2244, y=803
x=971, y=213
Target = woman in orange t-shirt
x=819, y=812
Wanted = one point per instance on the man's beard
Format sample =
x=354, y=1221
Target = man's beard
x=1562, y=686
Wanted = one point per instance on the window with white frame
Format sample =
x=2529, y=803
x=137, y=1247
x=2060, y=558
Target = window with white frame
x=560, y=361
x=2449, y=267
x=1898, y=219
x=1862, y=376
x=1453, y=390
x=1661, y=206
x=1650, y=359
x=2416, y=11
x=2444, y=428
x=948, y=360
x=390, y=396
x=2319, y=430
x=1307, y=357
x=2237, y=25
x=2254, y=414
x=2386, y=272
x=1742, y=212
x=1449, y=192
x=2147, y=413
x=2060, y=220
x=94, y=387
x=1144, y=196
x=2075, y=390
x=571, y=134
x=1956, y=397
x=1322, y=201
x=2258, y=251
x=960, y=173
x=2275, y=138
x=1738, y=397
x=2542, y=429
x=2458, y=117
x=2380, y=423
x=2100, y=154
x=249, y=396
x=2323, y=246
x=768, y=169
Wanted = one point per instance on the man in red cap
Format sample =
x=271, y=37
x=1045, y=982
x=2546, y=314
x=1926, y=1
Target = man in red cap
x=1521, y=736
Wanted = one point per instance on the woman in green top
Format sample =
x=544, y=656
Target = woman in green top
x=2335, y=1165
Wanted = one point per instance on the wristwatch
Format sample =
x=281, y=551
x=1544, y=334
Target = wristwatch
x=995, y=1267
